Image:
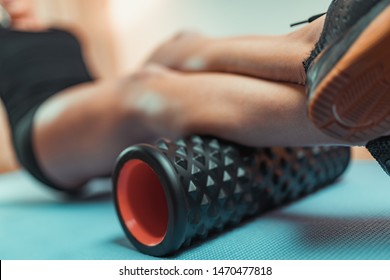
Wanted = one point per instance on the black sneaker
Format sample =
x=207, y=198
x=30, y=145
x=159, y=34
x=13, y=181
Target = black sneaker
x=348, y=76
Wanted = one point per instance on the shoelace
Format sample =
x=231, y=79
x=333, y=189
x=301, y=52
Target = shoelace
x=310, y=19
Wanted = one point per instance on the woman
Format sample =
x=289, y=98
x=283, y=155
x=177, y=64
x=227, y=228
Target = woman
x=73, y=127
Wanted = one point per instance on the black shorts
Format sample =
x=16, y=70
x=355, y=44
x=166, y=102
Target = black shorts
x=33, y=67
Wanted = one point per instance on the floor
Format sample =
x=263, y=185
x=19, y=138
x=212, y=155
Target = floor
x=348, y=220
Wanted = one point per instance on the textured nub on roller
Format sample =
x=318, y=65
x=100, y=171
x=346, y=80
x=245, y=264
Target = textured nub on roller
x=142, y=202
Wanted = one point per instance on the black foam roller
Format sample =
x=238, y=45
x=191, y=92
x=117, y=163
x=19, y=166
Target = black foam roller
x=380, y=150
x=173, y=193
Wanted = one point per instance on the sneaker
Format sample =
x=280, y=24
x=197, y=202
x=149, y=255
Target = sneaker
x=348, y=76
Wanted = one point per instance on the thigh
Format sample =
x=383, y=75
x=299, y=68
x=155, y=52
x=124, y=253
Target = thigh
x=7, y=157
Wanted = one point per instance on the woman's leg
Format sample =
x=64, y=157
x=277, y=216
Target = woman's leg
x=79, y=133
x=277, y=58
x=7, y=157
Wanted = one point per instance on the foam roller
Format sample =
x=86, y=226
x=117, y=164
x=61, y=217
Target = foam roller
x=380, y=150
x=177, y=192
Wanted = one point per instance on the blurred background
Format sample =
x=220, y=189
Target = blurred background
x=117, y=35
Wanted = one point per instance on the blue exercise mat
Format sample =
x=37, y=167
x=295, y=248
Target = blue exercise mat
x=347, y=220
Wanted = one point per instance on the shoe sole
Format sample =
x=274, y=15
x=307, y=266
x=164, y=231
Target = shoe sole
x=352, y=102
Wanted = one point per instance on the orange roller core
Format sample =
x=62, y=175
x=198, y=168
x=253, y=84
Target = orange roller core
x=142, y=202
